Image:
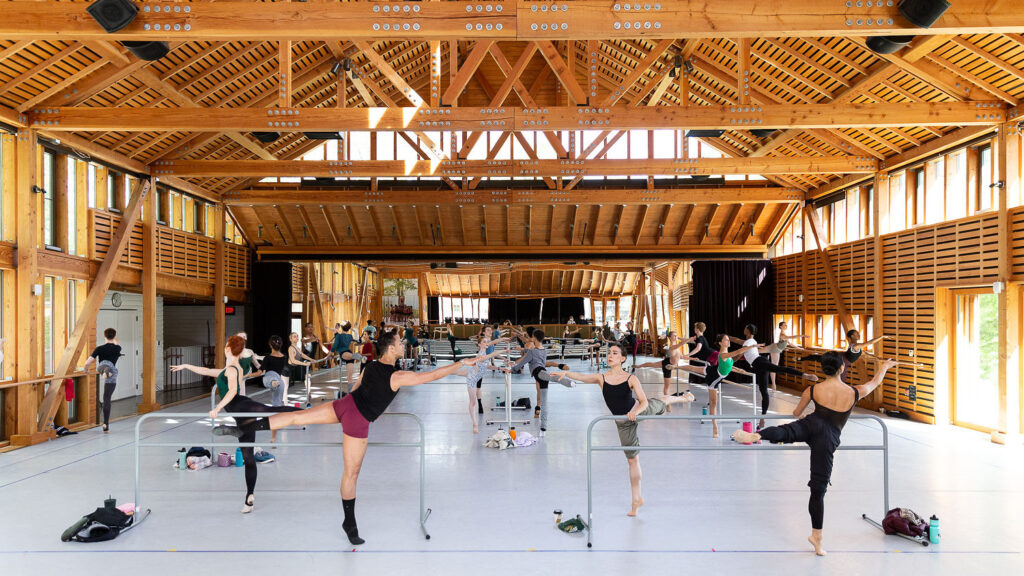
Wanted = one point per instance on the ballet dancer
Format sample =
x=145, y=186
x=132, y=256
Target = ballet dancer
x=761, y=367
x=821, y=430
x=618, y=388
x=720, y=365
x=342, y=346
x=776, y=348
x=535, y=357
x=228, y=385
x=672, y=361
x=376, y=389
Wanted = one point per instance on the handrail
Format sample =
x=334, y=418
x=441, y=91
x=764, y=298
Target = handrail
x=424, y=512
x=43, y=380
x=883, y=447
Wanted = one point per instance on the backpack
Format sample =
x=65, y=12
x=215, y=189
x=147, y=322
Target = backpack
x=99, y=526
x=904, y=521
x=522, y=403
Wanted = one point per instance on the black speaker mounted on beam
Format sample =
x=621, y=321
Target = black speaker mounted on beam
x=112, y=15
x=266, y=137
x=887, y=44
x=149, y=51
x=922, y=13
x=704, y=133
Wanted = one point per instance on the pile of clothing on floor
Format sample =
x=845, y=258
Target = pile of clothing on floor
x=502, y=441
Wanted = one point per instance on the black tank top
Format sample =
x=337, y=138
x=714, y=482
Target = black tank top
x=374, y=394
x=837, y=419
x=852, y=356
x=618, y=397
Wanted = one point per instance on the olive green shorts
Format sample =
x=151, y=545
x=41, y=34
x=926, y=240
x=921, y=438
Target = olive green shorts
x=627, y=429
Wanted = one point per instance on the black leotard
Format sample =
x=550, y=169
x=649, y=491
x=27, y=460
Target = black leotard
x=618, y=397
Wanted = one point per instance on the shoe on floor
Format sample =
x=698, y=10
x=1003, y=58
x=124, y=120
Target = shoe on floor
x=263, y=456
x=250, y=503
x=542, y=432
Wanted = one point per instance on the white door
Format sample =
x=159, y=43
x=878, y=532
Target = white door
x=129, y=367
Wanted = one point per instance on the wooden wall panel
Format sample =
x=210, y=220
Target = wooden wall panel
x=958, y=253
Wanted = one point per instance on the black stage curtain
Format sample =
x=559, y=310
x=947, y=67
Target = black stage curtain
x=272, y=303
x=432, y=310
x=501, y=309
x=728, y=294
x=558, y=310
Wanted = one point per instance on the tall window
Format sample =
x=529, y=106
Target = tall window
x=985, y=199
x=935, y=190
x=90, y=181
x=72, y=182
x=919, y=197
x=48, y=328
x=3, y=297
x=72, y=305
x=956, y=185
x=49, y=184
x=111, y=191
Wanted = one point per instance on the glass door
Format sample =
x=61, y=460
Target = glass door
x=975, y=360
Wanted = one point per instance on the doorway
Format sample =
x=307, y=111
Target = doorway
x=975, y=359
x=129, y=367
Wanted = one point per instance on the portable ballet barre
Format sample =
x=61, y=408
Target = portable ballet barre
x=424, y=512
x=883, y=448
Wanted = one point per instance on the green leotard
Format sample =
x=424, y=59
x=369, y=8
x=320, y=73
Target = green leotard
x=222, y=383
x=724, y=366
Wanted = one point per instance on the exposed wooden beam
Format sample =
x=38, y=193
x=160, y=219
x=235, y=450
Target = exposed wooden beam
x=385, y=68
x=466, y=71
x=518, y=168
x=211, y=20
x=97, y=291
x=778, y=116
x=811, y=216
x=688, y=195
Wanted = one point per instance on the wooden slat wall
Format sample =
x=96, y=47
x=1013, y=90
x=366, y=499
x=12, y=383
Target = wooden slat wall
x=914, y=262
x=181, y=254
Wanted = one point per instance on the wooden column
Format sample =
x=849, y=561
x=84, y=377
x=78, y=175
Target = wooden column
x=653, y=311
x=421, y=296
x=1008, y=159
x=319, y=321
x=879, y=191
x=26, y=338
x=101, y=282
x=148, y=280
x=219, y=327
x=60, y=202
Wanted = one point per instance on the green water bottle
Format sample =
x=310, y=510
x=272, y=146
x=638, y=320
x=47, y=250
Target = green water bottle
x=933, y=529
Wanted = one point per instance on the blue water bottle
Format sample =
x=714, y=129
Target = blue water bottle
x=933, y=529
x=239, y=460
x=704, y=410
x=182, y=460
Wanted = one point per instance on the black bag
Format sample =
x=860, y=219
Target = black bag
x=99, y=526
x=198, y=451
x=522, y=403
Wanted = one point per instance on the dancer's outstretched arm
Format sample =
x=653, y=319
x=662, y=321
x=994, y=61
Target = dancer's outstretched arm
x=578, y=376
x=404, y=378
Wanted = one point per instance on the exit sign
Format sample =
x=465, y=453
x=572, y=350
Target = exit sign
x=229, y=310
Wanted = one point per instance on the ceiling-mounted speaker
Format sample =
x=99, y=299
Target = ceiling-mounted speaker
x=266, y=137
x=112, y=15
x=887, y=44
x=321, y=135
x=922, y=13
x=148, y=51
x=704, y=133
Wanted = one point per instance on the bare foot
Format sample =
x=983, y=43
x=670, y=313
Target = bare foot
x=815, y=540
x=668, y=408
x=745, y=437
x=636, y=506
x=760, y=424
x=475, y=430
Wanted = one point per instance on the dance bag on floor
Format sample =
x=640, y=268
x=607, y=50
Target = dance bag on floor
x=99, y=526
x=904, y=521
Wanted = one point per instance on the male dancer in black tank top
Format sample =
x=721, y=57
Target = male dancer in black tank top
x=820, y=429
x=376, y=388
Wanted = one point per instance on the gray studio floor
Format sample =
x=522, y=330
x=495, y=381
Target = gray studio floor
x=727, y=512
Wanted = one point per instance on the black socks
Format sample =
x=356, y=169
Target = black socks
x=349, y=524
x=479, y=406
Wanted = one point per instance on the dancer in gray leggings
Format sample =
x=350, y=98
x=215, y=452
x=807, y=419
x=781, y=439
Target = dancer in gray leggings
x=106, y=356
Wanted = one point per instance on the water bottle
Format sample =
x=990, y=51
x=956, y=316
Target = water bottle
x=512, y=433
x=497, y=401
x=704, y=410
x=239, y=459
x=933, y=529
x=182, y=461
